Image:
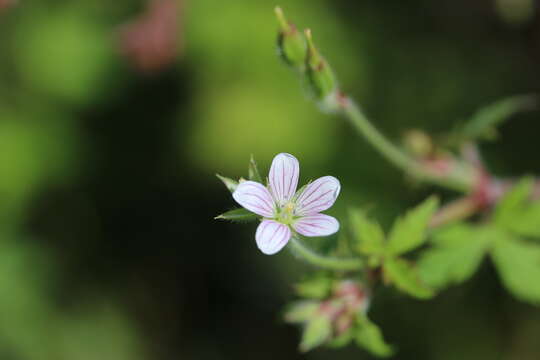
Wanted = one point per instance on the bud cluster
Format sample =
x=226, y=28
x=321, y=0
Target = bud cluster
x=298, y=50
x=330, y=318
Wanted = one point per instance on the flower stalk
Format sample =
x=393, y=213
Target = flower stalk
x=322, y=261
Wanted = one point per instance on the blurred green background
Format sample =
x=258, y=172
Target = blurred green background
x=115, y=116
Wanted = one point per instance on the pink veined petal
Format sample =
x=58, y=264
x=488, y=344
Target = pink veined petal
x=254, y=197
x=283, y=177
x=316, y=225
x=272, y=236
x=318, y=196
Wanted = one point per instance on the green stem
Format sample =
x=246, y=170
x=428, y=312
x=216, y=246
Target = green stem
x=460, y=180
x=327, y=262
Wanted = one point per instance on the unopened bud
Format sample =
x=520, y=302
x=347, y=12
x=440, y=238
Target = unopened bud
x=319, y=72
x=418, y=143
x=291, y=43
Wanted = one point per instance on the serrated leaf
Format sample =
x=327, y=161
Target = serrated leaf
x=512, y=203
x=457, y=254
x=406, y=278
x=483, y=123
x=230, y=184
x=518, y=265
x=369, y=336
x=301, y=311
x=315, y=287
x=368, y=234
x=316, y=332
x=517, y=213
x=238, y=215
x=409, y=231
x=253, y=171
x=527, y=221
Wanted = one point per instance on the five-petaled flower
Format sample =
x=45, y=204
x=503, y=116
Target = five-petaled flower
x=286, y=211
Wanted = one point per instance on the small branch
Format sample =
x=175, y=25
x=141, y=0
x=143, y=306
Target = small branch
x=327, y=262
x=460, y=178
x=455, y=211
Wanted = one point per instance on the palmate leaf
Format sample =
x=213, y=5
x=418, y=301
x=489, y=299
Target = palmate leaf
x=405, y=277
x=409, y=231
x=518, y=264
x=238, y=215
x=369, y=336
x=517, y=213
x=458, y=251
x=367, y=234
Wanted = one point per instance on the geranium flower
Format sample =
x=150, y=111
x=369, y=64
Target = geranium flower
x=286, y=211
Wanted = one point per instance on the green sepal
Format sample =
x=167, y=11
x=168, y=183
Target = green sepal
x=317, y=331
x=341, y=340
x=238, y=215
x=253, y=171
x=301, y=311
x=229, y=183
x=369, y=337
x=317, y=286
x=409, y=231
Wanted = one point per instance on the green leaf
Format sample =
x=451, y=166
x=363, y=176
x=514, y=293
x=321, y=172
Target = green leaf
x=301, y=311
x=229, y=183
x=316, y=332
x=517, y=213
x=409, y=231
x=512, y=203
x=458, y=252
x=238, y=215
x=483, y=123
x=518, y=264
x=405, y=277
x=527, y=221
x=317, y=286
x=368, y=234
x=369, y=336
x=253, y=171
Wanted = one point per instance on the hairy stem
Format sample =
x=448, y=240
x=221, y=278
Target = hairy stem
x=327, y=262
x=459, y=179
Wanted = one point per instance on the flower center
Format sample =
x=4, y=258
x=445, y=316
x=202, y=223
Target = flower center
x=285, y=216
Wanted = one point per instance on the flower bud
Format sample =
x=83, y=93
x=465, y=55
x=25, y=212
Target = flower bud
x=418, y=143
x=291, y=43
x=320, y=75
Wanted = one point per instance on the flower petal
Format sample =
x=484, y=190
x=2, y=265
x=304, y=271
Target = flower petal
x=283, y=177
x=318, y=196
x=272, y=236
x=254, y=197
x=316, y=225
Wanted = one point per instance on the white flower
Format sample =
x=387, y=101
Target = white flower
x=285, y=211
